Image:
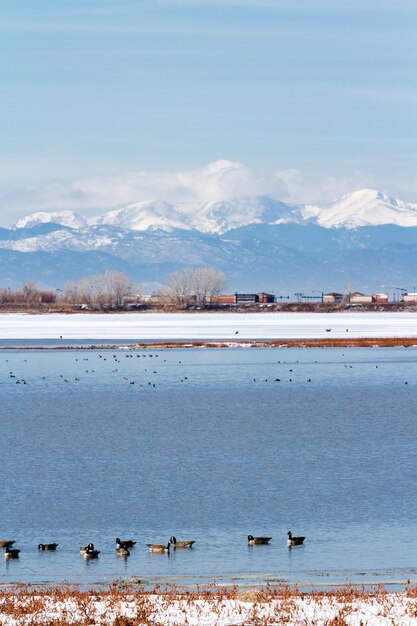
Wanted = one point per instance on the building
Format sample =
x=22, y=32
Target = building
x=381, y=298
x=266, y=298
x=242, y=298
x=245, y=298
x=225, y=299
x=359, y=298
x=409, y=297
x=333, y=298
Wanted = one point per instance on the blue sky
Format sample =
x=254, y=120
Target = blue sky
x=320, y=94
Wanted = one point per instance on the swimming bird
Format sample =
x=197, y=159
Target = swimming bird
x=11, y=553
x=128, y=543
x=47, y=546
x=122, y=551
x=91, y=552
x=158, y=547
x=6, y=543
x=258, y=541
x=180, y=544
x=294, y=541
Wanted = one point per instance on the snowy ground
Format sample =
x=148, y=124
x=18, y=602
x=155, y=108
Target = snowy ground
x=379, y=609
x=138, y=326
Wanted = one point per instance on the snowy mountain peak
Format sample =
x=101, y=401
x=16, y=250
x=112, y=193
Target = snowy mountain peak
x=143, y=216
x=363, y=207
x=64, y=218
x=219, y=217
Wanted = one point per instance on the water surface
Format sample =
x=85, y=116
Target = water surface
x=208, y=445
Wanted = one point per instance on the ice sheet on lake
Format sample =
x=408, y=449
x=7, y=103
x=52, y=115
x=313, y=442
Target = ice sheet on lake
x=187, y=326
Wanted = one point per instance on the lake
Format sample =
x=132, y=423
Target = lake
x=211, y=445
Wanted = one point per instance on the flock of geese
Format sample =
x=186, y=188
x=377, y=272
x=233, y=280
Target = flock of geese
x=123, y=547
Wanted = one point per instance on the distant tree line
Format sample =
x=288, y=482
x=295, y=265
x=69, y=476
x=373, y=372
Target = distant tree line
x=197, y=287
x=114, y=290
x=101, y=291
x=28, y=293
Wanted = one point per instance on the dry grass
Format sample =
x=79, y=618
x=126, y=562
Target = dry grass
x=125, y=604
x=363, y=342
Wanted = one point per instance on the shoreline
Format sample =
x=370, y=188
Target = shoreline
x=360, y=342
x=127, y=603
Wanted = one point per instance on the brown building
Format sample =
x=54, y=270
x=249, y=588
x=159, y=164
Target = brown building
x=224, y=299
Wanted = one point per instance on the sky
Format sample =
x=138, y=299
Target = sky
x=106, y=102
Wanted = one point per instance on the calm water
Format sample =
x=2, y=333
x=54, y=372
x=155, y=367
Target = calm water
x=206, y=452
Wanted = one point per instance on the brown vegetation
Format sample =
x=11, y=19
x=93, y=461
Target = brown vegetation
x=28, y=295
x=130, y=604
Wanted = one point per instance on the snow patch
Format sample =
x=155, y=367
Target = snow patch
x=64, y=218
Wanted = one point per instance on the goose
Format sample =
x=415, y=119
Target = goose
x=158, y=547
x=128, y=543
x=91, y=552
x=11, y=553
x=5, y=543
x=47, y=546
x=122, y=551
x=258, y=541
x=180, y=544
x=294, y=541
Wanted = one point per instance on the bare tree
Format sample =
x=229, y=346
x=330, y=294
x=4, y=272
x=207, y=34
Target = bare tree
x=100, y=291
x=199, y=285
x=28, y=291
x=208, y=283
x=118, y=286
x=179, y=287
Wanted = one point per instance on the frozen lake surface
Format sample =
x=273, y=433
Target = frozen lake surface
x=148, y=326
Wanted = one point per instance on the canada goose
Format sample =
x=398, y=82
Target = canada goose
x=128, y=543
x=158, y=547
x=11, y=553
x=5, y=543
x=180, y=544
x=47, y=546
x=294, y=541
x=91, y=552
x=258, y=541
x=83, y=549
x=122, y=551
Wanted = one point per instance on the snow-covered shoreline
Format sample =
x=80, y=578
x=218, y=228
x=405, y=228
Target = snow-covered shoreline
x=206, y=326
x=215, y=607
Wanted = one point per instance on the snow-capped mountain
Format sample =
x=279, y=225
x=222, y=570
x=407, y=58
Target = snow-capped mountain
x=64, y=218
x=365, y=207
x=220, y=217
x=260, y=243
x=145, y=215
x=211, y=217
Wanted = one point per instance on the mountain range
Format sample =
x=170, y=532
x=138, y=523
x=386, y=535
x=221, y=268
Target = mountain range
x=365, y=239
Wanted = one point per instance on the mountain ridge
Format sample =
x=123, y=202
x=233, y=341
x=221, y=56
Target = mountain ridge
x=364, y=207
x=278, y=247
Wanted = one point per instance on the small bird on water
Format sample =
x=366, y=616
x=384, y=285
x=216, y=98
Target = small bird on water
x=47, y=546
x=294, y=541
x=180, y=544
x=258, y=541
x=128, y=543
x=11, y=553
x=158, y=547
